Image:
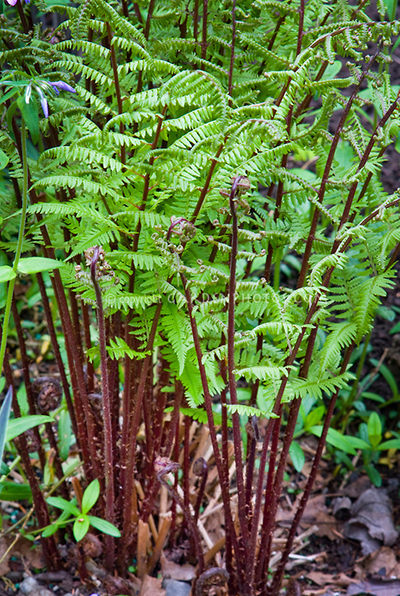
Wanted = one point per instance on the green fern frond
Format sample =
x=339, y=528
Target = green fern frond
x=341, y=336
x=177, y=331
x=261, y=372
x=118, y=349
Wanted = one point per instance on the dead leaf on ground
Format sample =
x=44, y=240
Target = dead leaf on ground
x=341, y=508
x=4, y=564
x=376, y=588
x=215, y=525
x=316, y=513
x=358, y=487
x=319, y=592
x=324, y=579
x=33, y=554
x=371, y=521
x=384, y=562
x=171, y=570
x=151, y=586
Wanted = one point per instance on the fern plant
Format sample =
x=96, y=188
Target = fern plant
x=206, y=142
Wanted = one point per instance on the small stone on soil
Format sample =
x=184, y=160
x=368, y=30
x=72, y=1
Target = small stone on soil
x=176, y=588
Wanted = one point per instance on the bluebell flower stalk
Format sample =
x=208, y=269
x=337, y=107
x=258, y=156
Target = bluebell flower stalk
x=14, y=2
x=41, y=87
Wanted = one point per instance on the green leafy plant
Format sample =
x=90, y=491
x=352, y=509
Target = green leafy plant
x=167, y=185
x=80, y=518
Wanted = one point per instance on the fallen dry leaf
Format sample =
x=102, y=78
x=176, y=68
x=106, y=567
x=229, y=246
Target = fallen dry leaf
x=384, y=562
x=32, y=554
x=4, y=563
x=358, y=487
x=316, y=513
x=324, y=579
x=318, y=592
x=171, y=570
x=151, y=586
x=371, y=521
x=376, y=588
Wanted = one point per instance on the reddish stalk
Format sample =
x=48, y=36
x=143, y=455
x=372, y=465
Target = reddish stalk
x=262, y=562
x=57, y=354
x=107, y=412
x=88, y=345
x=222, y=469
x=164, y=468
x=127, y=399
x=196, y=19
x=200, y=468
x=114, y=65
x=232, y=61
x=205, y=188
x=301, y=27
x=237, y=440
x=82, y=404
x=204, y=30
x=276, y=582
x=127, y=465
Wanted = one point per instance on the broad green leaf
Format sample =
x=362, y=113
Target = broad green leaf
x=104, y=526
x=11, y=491
x=373, y=396
x=335, y=438
x=314, y=417
x=30, y=113
x=391, y=444
x=374, y=429
x=373, y=475
x=332, y=70
x=64, y=433
x=297, y=455
x=23, y=400
x=63, y=504
x=357, y=443
x=386, y=313
x=50, y=530
x=90, y=496
x=391, y=8
x=16, y=426
x=8, y=95
x=396, y=328
x=4, y=416
x=81, y=527
x=38, y=264
x=388, y=376
x=6, y=273
x=4, y=469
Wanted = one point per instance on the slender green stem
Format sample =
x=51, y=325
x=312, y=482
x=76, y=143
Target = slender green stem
x=11, y=467
x=18, y=251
